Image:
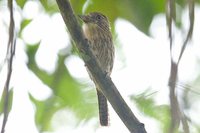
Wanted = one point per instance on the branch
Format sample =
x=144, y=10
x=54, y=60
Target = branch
x=170, y=16
x=105, y=83
x=174, y=104
x=177, y=115
x=190, y=31
x=10, y=55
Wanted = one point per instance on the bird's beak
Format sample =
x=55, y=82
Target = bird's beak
x=85, y=18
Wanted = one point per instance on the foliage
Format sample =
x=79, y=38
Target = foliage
x=148, y=107
x=68, y=92
x=10, y=100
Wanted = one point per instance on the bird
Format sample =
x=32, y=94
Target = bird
x=96, y=28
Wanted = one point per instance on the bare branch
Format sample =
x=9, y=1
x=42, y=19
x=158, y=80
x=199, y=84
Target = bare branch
x=175, y=110
x=190, y=31
x=177, y=115
x=105, y=83
x=170, y=15
x=10, y=55
x=175, y=118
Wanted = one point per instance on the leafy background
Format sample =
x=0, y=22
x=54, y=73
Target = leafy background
x=70, y=93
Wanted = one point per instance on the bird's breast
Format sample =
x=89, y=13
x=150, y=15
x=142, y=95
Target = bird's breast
x=101, y=45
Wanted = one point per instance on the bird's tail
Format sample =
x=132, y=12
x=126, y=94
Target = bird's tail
x=103, y=108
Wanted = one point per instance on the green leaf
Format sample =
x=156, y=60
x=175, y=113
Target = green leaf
x=21, y=3
x=70, y=90
x=45, y=111
x=77, y=5
x=43, y=75
x=2, y=101
x=147, y=106
x=67, y=92
x=50, y=6
x=138, y=12
x=24, y=23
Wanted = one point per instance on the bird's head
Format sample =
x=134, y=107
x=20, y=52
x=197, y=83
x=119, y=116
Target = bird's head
x=96, y=20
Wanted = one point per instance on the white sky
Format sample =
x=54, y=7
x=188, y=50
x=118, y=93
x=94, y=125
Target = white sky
x=146, y=65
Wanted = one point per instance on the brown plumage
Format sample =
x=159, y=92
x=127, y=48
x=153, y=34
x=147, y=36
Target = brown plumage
x=97, y=30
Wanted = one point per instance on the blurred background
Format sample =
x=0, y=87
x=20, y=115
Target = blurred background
x=51, y=90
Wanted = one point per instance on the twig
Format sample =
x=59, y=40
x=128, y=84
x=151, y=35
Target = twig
x=10, y=55
x=107, y=86
x=177, y=114
x=170, y=15
x=190, y=31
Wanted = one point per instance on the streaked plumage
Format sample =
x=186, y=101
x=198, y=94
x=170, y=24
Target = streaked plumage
x=97, y=30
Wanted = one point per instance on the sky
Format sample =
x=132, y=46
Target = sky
x=141, y=62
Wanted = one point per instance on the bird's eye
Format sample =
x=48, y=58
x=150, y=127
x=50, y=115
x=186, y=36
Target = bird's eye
x=98, y=17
